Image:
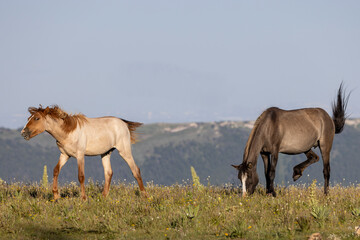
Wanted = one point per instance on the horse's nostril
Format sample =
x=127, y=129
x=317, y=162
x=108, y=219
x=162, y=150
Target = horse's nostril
x=25, y=133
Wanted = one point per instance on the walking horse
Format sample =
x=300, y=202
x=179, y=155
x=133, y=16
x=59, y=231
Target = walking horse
x=78, y=136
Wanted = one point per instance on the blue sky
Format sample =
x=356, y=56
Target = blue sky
x=176, y=61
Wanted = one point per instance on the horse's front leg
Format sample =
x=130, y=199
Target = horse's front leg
x=81, y=175
x=62, y=160
x=266, y=160
x=274, y=158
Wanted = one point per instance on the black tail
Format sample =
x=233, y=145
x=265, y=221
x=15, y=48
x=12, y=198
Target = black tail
x=339, y=108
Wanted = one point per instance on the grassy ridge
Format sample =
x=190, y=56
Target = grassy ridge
x=177, y=212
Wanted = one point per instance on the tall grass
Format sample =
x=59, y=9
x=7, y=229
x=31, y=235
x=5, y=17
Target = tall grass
x=177, y=212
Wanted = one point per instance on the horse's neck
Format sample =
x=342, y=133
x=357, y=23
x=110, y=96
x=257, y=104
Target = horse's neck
x=254, y=150
x=54, y=129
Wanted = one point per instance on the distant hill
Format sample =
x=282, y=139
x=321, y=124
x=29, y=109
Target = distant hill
x=166, y=152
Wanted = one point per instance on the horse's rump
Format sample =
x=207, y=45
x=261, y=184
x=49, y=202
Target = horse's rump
x=132, y=127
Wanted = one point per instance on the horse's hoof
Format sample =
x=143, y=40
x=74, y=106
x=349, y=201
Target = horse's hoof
x=296, y=177
x=271, y=194
x=297, y=174
x=57, y=198
x=144, y=194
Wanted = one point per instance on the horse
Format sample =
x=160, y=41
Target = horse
x=291, y=132
x=79, y=136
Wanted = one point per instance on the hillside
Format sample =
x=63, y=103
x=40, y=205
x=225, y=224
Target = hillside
x=166, y=152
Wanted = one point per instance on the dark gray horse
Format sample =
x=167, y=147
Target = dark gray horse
x=291, y=132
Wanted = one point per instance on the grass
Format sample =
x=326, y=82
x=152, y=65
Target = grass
x=177, y=212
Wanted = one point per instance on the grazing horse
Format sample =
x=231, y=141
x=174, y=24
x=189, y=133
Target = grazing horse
x=77, y=136
x=291, y=132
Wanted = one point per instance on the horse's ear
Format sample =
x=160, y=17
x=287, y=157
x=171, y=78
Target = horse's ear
x=31, y=110
x=236, y=166
x=46, y=111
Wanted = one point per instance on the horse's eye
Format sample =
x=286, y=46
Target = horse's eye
x=37, y=119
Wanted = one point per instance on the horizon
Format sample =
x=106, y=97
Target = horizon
x=349, y=121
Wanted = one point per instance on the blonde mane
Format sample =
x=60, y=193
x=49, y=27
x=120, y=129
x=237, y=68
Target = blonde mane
x=71, y=121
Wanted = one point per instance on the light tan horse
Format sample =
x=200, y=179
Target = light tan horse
x=77, y=136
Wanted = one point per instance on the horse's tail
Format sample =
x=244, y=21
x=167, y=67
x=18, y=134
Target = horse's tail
x=252, y=134
x=339, y=108
x=132, y=127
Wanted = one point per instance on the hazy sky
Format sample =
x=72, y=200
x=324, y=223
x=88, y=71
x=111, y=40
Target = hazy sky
x=176, y=61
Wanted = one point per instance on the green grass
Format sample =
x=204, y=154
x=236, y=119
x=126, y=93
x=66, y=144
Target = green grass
x=177, y=212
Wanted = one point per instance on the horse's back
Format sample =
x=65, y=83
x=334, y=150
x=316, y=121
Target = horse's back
x=109, y=125
x=317, y=117
x=301, y=116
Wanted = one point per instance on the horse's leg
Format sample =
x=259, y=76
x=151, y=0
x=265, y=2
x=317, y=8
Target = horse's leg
x=107, y=172
x=298, y=169
x=81, y=175
x=62, y=160
x=266, y=160
x=274, y=158
x=325, y=153
x=125, y=153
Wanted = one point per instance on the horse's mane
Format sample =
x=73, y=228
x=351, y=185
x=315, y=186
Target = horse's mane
x=252, y=134
x=71, y=121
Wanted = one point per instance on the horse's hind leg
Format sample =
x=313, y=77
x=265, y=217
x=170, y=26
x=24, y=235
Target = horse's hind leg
x=125, y=153
x=107, y=172
x=325, y=153
x=298, y=169
x=62, y=160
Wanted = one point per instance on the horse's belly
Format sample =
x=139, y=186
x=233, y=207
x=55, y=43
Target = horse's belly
x=293, y=150
x=97, y=150
x=297, y=145
x=99, y=145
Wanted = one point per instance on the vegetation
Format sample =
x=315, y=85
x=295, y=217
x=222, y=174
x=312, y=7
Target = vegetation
x=189, y=210
x=195, y=178
x=177, y=212
x=45, y=180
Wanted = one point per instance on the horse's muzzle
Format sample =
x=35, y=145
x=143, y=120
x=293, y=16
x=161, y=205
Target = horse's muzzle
x=25, y=133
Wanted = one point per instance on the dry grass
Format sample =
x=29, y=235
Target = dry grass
x=177, y=212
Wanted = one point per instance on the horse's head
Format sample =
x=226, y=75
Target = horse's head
x=36, y=122
x=248, y=176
